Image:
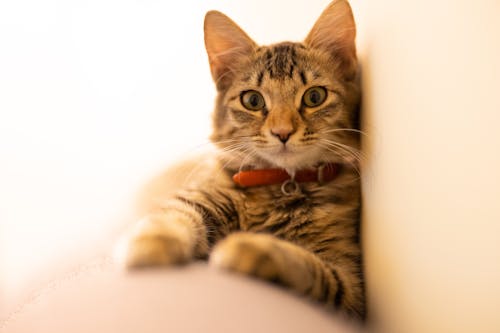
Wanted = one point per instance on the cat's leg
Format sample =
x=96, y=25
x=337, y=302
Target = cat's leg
x=336, y=284
x=172, y=235
x=183, y=228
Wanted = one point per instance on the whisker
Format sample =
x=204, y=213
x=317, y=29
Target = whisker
x=244, y=151
x=230, y=140
x=354, y=165
x=230, y=149
x=344, y=130
x=251, y=153
x=354, y=151
x=348, y=156
x=229, y=146
x=350, y=151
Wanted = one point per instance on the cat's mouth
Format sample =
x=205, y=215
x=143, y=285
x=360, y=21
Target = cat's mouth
x=286, y=157
x=284, y=151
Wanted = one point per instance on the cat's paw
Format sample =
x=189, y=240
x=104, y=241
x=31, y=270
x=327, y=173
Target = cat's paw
x=154, y=250
x=157, y=240
x=250, y=254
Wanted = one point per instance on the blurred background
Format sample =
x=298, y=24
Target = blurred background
x=96, y=97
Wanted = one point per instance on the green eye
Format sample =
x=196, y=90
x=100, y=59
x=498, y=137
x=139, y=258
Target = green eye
x=252, y=100
x=314, y=96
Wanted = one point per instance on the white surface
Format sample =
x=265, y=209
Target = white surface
x=189, y=299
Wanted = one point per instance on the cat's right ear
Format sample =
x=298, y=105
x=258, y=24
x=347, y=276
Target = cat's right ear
x=226, y=44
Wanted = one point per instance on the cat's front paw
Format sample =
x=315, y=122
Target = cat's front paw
x=157, y=240
x=155, y=250
x=250, y=254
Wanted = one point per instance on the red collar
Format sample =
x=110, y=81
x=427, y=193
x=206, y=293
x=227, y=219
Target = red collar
x=322, y=174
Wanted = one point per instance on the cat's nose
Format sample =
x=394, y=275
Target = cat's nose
x=282, y=133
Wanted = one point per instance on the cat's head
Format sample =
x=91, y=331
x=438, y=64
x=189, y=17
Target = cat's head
x=287, y=105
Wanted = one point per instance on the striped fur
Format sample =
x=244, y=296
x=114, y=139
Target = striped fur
x=308, y=241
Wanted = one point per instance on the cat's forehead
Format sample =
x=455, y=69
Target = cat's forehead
x=287, y=65
x=280, y=61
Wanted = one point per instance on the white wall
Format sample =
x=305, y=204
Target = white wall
x=432, y=189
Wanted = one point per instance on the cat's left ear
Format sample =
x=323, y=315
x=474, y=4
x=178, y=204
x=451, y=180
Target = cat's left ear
x=335, y=32
x=226, y=45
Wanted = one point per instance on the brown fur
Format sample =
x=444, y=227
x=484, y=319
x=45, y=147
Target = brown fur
x=308, y=241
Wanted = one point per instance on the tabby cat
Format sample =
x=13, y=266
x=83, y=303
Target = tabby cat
x=281, y=201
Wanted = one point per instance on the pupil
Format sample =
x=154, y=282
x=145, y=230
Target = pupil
x=254, y=100
x=314, y=97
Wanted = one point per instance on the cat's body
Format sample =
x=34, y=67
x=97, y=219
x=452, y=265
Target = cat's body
x=290, y=106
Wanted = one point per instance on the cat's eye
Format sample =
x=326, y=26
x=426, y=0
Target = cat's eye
x=252, y=100
x=314, y=96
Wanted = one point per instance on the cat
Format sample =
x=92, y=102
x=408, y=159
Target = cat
x=280, y=200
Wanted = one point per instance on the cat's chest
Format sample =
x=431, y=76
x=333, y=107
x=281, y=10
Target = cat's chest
x=268, y=209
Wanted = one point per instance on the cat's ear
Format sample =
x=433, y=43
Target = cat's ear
x=226, y=44
x=335, y=32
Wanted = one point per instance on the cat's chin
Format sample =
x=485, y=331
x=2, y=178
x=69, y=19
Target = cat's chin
x=290, y=161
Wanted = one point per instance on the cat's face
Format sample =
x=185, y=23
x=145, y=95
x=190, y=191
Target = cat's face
x=288, y=105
